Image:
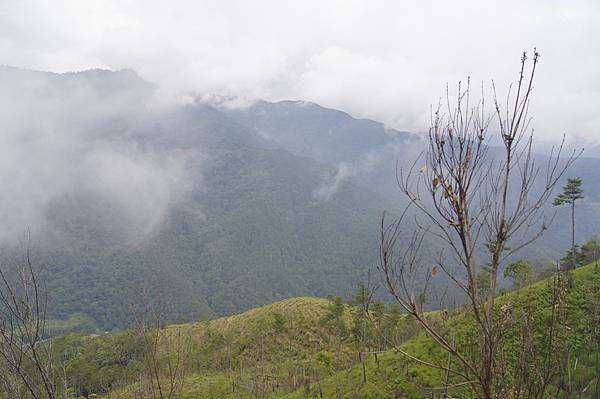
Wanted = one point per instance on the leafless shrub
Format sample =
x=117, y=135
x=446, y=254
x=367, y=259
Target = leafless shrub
x=26, y=364
x=482, y=204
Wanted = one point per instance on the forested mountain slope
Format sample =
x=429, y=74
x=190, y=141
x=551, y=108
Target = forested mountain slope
x=186, y=206
x=370, y=153
x=204, y=207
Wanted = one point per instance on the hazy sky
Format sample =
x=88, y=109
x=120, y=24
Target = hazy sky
x=386, y=60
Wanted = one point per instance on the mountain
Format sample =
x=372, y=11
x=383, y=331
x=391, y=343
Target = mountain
x=360, y=149
x=369, y=152
x=307, y=129
x=177, y=203
x=205, y=207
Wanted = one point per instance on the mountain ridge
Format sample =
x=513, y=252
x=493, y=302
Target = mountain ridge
x=197, y=203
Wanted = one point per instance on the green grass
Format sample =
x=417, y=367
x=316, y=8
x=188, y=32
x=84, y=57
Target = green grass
x=292, y=349
x=395, y=376
x=284, y=343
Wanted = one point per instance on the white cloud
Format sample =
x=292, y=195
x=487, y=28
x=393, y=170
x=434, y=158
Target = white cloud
x=331, y=186
x=386, y=60
x=53, y=148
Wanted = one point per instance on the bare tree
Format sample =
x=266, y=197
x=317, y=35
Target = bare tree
x=26, y=368
x=483, y=204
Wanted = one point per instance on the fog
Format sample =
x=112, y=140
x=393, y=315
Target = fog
x=383, y=60
x=56, y=144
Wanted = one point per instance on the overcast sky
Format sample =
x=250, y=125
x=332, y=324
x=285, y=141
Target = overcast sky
x=387, y=60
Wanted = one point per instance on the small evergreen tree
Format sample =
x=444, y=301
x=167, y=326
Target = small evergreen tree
x=572, y=260
x=572, y=192
x=334, y=319
x=520, y=272
x=360, y=322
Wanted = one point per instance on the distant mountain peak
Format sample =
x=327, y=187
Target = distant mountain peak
x=91, y=72
x=225, y=101
x=100, y=82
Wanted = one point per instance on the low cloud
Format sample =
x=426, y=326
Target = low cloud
x=383, y=60
x=377, y=164
x=67, y=140
x=331, y=185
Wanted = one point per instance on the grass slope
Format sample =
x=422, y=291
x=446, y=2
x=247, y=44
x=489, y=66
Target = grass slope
x=279, y=342
x=394, y=376
x=295, y=349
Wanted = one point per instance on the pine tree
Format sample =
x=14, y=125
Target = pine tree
x=572, y=192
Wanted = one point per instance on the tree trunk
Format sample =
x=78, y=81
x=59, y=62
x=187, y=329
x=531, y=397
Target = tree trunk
x=573, y=254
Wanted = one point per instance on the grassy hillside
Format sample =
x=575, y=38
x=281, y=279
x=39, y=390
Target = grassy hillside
x=308, y=347
x=283, y=340
x=392, y=375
